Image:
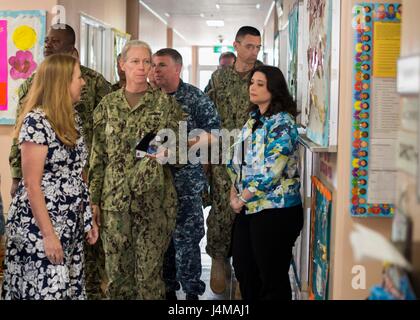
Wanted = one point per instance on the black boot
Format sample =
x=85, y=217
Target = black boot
x=171, y=296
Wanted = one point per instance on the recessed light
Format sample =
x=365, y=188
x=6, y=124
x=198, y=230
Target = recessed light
x=202, y=15
x=167, y=14
x=217, y=6
x=215, y=23
x=258, y=6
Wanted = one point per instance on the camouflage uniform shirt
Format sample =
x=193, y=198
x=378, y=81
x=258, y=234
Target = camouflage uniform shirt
x=116, y=176
x=93, y=91
x=116, y=86
x=229, y=92
x=202, y=114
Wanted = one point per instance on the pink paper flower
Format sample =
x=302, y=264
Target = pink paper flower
x=22, y=65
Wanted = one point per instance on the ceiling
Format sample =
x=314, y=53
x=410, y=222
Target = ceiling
x=186, y=18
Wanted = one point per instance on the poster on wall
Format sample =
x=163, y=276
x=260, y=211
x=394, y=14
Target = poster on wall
x=375, y=108
x=323, y=57
x=302, y=76
x=320, y=241
x=293, y=50
x=22, y=36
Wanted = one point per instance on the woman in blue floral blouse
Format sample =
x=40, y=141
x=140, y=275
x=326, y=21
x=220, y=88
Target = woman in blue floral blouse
x=265, y=191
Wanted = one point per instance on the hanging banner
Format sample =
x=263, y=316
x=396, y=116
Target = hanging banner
x=375, y=108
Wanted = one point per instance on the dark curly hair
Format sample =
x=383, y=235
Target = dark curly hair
x=281, y=99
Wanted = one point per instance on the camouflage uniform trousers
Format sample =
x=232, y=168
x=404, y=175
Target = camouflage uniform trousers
x=183, y=257
x=134, y=244
x=221, y=217
x=94, y=270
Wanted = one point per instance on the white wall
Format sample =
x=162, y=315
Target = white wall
x=109, y=12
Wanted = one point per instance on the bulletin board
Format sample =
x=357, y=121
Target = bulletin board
x=323, y=68
x=22, y=36
x=320, y=241
x=375, y=108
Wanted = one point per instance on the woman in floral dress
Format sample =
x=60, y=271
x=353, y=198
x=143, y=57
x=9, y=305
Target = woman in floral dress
x=50, y=212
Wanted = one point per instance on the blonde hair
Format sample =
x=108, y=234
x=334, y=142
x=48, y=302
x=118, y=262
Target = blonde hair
x=134, y=44
x=50, y=91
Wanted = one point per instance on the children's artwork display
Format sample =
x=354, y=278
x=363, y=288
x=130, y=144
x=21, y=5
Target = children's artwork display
x=323, y=57
x=22, y=36
x=375, y=119
x=320, y=240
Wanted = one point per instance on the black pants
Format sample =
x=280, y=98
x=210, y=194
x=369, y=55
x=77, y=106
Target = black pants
x=262, y=252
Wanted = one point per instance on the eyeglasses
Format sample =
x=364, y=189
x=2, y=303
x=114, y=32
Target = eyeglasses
x=250, y=47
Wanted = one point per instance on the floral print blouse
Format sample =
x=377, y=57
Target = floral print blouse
x=265, y=161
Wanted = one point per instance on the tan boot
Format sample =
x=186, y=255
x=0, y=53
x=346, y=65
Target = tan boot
x=218, y=276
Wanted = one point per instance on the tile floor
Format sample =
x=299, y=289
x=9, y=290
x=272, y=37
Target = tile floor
x=206, y=266
x=205, y=276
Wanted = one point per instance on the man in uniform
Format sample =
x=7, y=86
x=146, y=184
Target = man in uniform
x=61, y=39
x=226, y=59
x=183, y=258
x=135, y=195
x=228, y=88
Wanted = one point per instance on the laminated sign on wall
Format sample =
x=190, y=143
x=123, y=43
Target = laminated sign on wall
x=22, y=36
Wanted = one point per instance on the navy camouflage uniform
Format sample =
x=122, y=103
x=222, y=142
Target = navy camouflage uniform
x=183, y=257
x=137, y=196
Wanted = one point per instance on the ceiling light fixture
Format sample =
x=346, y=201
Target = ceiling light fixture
x=153, y=12
x=202, y=15
x=217, y=6
x=258, y=6
x=167, y=14
x=180, y=35
x=215, y=23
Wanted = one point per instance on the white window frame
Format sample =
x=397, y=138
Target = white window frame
x=102, y=50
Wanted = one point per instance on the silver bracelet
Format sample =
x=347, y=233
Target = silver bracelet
x=242, y=199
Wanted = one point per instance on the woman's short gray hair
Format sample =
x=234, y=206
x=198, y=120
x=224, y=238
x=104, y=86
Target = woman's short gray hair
x=134, y=44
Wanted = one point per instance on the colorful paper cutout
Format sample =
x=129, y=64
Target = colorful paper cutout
x=24, y=38
x=22, y=65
